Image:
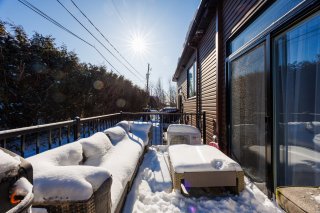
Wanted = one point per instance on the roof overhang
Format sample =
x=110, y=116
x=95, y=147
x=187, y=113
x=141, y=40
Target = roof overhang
x=196, y=31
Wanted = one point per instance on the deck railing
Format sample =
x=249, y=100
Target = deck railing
x=28, y=141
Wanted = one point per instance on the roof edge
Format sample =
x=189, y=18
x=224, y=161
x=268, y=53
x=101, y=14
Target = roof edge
x=191, y=33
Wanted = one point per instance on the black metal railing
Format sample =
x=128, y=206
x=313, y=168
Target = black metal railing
x=161, y=120
x=32, y=140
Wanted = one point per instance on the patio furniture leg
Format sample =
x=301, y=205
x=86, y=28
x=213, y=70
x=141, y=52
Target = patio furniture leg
x=240, y=182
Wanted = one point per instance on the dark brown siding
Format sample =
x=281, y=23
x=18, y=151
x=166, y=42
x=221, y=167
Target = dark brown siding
x=207, y=62
x=232, y=13
x=189, y=105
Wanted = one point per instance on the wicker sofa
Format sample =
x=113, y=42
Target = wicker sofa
x=114, y=157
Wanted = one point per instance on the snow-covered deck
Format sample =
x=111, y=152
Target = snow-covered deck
x=152, y=192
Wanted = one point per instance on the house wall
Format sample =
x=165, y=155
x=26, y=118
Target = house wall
x=232, y=12
x=208, y=70
x=189, y=104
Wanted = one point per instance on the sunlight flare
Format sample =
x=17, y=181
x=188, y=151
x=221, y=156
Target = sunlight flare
x=138, y=43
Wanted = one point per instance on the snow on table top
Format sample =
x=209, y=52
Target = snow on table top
x=200, y=158
x=182, y=128
x=7, y=162
x=152, y=192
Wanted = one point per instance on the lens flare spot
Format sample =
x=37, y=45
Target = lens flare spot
x=192, y=209
x=59, y=97
x=38, y=67
x=121, y=103
x=59, y=75
x=98, y=85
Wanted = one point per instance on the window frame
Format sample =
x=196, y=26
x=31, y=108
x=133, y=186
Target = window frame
x=192, y=67
x=298, y=14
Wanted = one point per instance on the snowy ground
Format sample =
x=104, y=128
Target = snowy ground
x=152, y=192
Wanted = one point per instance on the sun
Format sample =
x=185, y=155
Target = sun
x=138, y=43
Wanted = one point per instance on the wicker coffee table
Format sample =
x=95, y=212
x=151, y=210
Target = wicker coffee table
x=193, y=166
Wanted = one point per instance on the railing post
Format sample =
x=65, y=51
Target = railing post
x=204, y=130
x=161, y=129
x=76, y=128
x=121, y=116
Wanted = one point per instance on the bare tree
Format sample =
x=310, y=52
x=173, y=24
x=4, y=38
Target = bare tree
x=160, y=94
x=172, y=94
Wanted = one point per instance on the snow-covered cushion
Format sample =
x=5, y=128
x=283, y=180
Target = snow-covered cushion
x=7, y=163
x=140, y=131
x=69, y=154
x=96, y=145
x=139, y=137
x=116, y=193
x=125, y=125
x=67, y=182
x=140, y=126
x=116, y=134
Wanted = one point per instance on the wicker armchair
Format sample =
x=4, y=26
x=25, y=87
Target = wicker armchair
x=99, y=202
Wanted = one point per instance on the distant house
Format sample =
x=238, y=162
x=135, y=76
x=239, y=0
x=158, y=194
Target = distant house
x=254, y=67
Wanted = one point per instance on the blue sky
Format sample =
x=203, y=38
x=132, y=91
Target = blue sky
x=161, y=25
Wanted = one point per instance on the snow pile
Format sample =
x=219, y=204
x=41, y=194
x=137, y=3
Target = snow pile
x=115, y=134
x=58, y=175
x=67, y=182
x=121, y=161
x=95, y=145
x=8, y=163
x=125, y=125
x=66, y=155
x=140, y=126
x=122, y=158
x=140, y=131
x=317, y=198
x=197, y=158
x=152, y=192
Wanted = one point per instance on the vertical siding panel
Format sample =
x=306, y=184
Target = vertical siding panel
x=207, y=60
x=232, y=12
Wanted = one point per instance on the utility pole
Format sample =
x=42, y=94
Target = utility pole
x=147, y=76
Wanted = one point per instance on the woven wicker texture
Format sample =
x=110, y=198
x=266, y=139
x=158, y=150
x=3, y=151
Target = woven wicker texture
x=177, y=178
x=69, y=206
x=99, y=202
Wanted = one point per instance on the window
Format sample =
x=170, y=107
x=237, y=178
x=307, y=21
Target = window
x=265, y=20
x=192, y=80
x=248, y=112
x=297, y=109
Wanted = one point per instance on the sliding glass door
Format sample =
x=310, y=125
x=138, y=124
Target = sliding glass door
x=248, y=112
x=296, y=56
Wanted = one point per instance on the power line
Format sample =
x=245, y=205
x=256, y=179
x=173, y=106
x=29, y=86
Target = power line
x=105, y=38
x=98, y=40
x=39, y=12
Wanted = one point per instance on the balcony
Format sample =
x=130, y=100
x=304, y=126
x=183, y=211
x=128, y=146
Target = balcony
x=151, y=186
